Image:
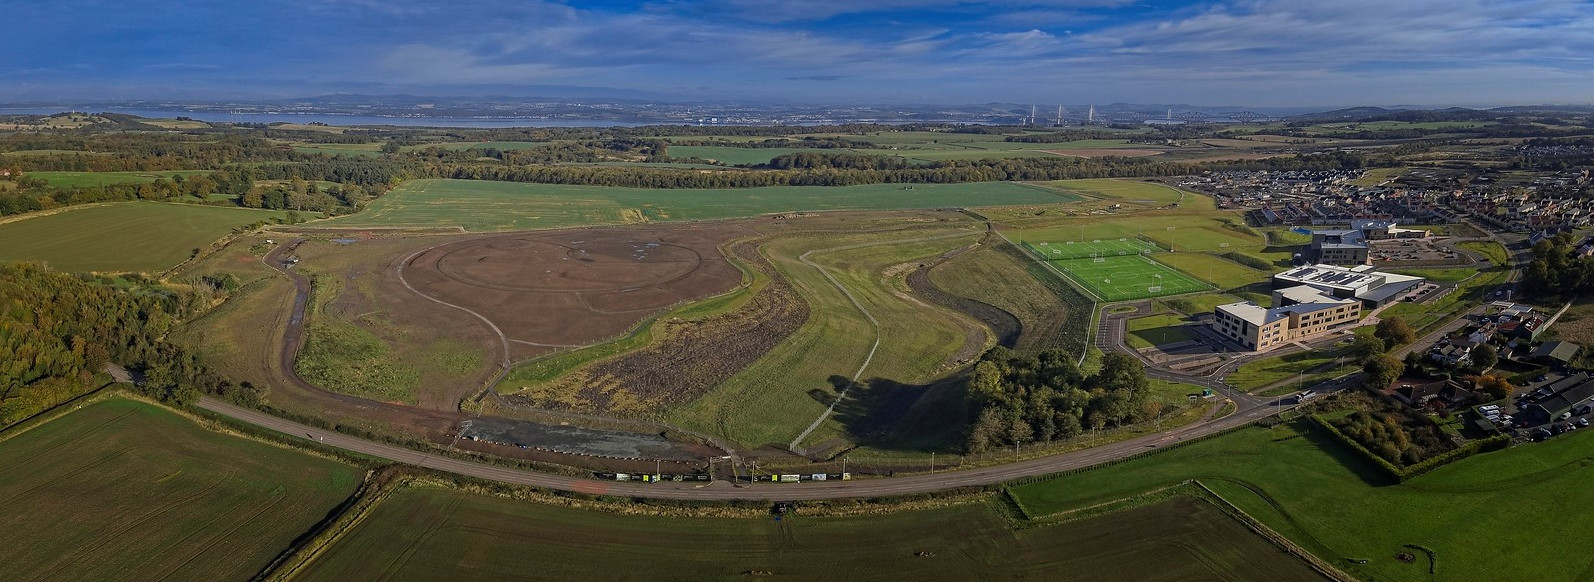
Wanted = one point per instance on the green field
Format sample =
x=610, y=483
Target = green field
x=1216, y=270
x=1155, y=330
x=1121, y=278
x=489, y=206
x=785, y=390
x=1294, y=366
x=1135, y=191
x=131, y=236
x=432, y=534
x=1316, y=492
x=129, y=491
x=85, y=179
x=738, y=156
x=1091, y=248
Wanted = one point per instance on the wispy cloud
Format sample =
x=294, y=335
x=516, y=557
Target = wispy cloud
x=1233, y=51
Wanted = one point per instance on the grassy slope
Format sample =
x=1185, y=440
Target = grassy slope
x=1471, y=512
x=488, y=206
x=464, y=536
x=126, y=490
x=1037, y=308
x=773, y=400
x=137, y=236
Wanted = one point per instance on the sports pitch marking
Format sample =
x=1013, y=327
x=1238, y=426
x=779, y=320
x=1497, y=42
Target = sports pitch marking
x=1127, y=277
x=1093, y=248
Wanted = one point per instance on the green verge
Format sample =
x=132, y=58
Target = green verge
x=1307, y=486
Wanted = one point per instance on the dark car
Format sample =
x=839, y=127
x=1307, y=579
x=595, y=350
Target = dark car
x=1541, y=434
x=1582, y=410
x=1540, y=378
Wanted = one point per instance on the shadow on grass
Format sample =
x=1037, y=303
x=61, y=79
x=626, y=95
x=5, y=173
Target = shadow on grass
x=917, y=418
x=1350, y=459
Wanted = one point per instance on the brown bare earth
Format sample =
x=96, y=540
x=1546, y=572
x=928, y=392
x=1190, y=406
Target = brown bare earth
x=693, y=356
x=548, y=290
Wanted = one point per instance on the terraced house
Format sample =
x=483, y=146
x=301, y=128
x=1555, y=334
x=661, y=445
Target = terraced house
x=1301, y=312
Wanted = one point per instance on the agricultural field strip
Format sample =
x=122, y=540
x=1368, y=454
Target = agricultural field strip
x=872, y=321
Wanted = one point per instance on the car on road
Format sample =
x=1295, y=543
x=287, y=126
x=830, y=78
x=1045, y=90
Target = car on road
x=1582, y=422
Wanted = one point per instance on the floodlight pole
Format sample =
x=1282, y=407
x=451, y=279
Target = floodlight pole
x=932, y=463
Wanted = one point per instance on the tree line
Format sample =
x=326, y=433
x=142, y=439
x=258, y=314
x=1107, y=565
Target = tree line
x=58, y=330
x=1043, y=398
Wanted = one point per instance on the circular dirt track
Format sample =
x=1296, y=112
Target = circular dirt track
x=552, y=289
x=541, y=266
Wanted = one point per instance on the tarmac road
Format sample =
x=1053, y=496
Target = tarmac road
x=721, y=490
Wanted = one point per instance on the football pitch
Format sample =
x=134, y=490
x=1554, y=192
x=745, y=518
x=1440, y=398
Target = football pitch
x=1128, y=277
x=1093, y=248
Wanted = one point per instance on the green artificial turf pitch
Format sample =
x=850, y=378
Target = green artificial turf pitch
x=1128, y=277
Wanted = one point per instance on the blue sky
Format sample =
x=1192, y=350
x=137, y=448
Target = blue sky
x=1251, y=52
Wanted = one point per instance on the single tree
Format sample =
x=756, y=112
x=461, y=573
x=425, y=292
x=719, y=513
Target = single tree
x=1382, y=370
x=1485, y=356
x=1395, y=331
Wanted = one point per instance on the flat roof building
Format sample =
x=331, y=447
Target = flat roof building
x=1372, y=288
x=1301, y=312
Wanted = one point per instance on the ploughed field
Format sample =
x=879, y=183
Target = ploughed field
x=431, y=534
x=571, y=288
x=126, y=490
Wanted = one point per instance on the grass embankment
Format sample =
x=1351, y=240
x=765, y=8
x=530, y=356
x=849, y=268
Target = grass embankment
x=1332, y=502
x=122, y=237
x=777, y=397
x=1041, y=312
x=462, y=535
x=121, y=489
x=493, y=206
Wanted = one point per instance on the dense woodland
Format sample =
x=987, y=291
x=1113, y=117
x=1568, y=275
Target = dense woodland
x=58, y=331
x=1045, y=398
